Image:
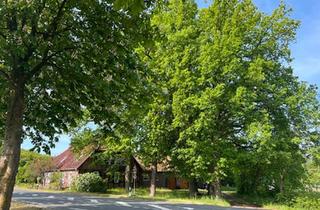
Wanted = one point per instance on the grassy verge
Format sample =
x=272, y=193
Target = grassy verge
x=182, y=196
x=280, y=207
x=22, y=206
x=302, y=201
x=173, y=196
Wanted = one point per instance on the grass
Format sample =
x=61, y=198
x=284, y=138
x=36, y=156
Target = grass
x=308, y=202
x=279, y=207
x=231, y=198
x=252, y=200
x=22, y=206
x=173, y=196
x=163, y=194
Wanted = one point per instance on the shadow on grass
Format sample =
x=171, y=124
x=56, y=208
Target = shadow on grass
x=247, y=200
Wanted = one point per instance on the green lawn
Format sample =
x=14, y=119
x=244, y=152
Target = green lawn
x=303, y=201
x=22, y=206
x=175, y=196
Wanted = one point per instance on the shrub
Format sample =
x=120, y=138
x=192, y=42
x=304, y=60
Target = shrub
x=308, y=200
x=300, y=200
x=89, y=182
x=55, y=181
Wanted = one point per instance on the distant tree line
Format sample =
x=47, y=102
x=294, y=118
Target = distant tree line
x=32, y=167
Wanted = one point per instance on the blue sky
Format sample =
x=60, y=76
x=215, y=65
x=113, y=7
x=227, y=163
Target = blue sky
x=305, y=51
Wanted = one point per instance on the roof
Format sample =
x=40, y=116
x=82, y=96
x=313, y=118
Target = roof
x=68, y=161
x=163, y=166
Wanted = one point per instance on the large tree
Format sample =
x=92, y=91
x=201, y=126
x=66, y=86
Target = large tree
x=226, y=86
x=57, y=58
x=168, y=62
x=247, y=98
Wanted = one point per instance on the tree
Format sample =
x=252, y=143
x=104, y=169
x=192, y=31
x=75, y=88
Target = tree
x=225, y=86
x=115, y=141
x=174, y=26
x=155, y=139
x=111, y=146
x=58, y=57
x=259, y=104
x=32, y=166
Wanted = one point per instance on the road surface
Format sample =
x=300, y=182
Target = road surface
x=69, y=201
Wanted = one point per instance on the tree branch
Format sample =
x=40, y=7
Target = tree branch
x=54, y=24
x=46, y=59
x=5, y=75
x=52, y=32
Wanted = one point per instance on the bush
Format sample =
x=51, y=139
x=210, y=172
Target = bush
x=287, y=198
x=89, y=182
x=300, y=200
x=55, y=181
x=308, y=200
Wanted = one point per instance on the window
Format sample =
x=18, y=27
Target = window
x=146, y=177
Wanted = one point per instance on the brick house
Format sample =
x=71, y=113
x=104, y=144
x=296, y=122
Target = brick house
x=71, y=165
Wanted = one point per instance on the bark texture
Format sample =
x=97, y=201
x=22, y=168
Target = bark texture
x=128, y=175
x=10, y=154
x=217, y=188
x=193, y=188
x=214, y=189
x=281, y=183
x=153, y=180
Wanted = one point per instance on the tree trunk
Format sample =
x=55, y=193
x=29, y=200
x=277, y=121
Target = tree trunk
x=281, y=184
x=217, y=188
x=193, y=188
x=128, y=174
x=210, y=189
x=214, y=189
x=10, y=154
x=153, y=179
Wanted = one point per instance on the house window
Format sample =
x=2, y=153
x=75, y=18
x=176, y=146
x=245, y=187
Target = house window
x=146, y=177
x=116, y=177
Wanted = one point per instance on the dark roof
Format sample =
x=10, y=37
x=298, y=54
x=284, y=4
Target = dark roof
x=68, y=161
x=163, y=166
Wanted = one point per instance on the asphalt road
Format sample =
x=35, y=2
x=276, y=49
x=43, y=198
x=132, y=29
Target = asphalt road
x=68, y=201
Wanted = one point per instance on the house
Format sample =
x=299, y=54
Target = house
x=113, y=171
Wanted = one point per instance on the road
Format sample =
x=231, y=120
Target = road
x=69, y=201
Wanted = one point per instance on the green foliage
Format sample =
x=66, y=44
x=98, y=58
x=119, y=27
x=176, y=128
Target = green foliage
x=89, y=182
x=55, y=181
x=223, y=100
x=300, y=200
x=70, y=56
x=313, y=169
x=157, y=135
x=309, y=200
x=32, y=166
x=225, y=96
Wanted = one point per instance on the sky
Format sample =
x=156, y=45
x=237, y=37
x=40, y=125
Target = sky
x=305, y=50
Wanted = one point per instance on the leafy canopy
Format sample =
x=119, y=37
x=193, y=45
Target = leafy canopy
x=70, y=55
